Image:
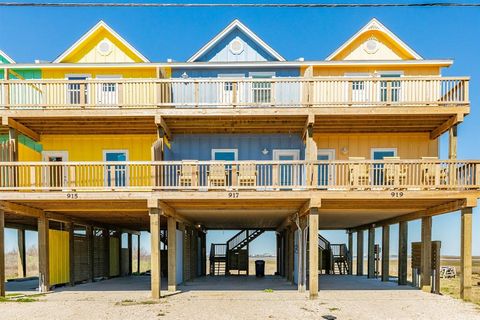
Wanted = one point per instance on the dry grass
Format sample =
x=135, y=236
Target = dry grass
x=451, y=286
x=11, y=263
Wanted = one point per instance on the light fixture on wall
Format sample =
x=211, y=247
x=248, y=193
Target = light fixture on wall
x=184, y=75
x=344, y=150
x=265, y=151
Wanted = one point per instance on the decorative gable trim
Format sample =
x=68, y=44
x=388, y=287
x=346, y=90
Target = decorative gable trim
x=236, y=24
x=374, y=24
x=6, y=57
x=100, y=24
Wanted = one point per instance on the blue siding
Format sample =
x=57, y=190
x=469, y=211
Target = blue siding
x=252, y=51
x=213, y=73
x=250, y=146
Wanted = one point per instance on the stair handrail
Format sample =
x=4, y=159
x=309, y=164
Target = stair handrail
x=323, y=243
x=234, y=241
x=218, y=250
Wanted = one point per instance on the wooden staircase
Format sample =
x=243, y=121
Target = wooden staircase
x=218, y=259
x=340, y=258
x=334, y=257
x=232, y=255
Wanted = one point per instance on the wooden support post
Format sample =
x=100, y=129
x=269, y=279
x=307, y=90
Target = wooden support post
x=2, y=253
x=371, y=253
x=130, y=254
x=291, y=254
x=120, y=271
x=402, y=252
x=138, y=254
x=360, y=253
x=313, y=253
x=106, y=239
x=22, y=261
x=91, y=264
x=287, y=254
x=426, y=261
x=466, y=255
x=172, y=254
x=386, y=253
x=350, y=253
x=43, y=254
x=155, y=214
x=311, y=151
x=13, y=135
x=278, y=240
x=452, y=143
x=71, y=252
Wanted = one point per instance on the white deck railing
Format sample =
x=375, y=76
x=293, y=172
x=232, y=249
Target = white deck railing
x=224, y=92
x=241, y=175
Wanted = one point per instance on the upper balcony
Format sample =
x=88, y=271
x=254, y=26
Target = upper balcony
x=235, y=93
x=232, y=105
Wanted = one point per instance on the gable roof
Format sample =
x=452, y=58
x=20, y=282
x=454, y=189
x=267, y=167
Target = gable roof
x=236, y=24
x=6, y=57
x=374, y=24
x=101, y=24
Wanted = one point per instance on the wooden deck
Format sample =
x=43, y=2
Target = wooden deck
x=394, y=175
x=234, y=92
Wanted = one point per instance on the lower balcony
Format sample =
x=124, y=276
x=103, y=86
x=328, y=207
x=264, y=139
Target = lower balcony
x=354, y=175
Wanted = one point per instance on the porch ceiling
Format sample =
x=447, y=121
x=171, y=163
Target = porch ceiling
x=338, y=210
x=341, y=214
x=91, y=125
x=237, y=214
x=379, y=123
x=235, y=124
x=129, y=214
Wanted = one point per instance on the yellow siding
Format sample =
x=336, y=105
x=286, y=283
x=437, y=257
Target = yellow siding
x=60, y=73
x=130, y=93
x=59, y=257
x=114, y=257
x=27, y=154
x=409, y=146
x=339, y=71
x=388, y=49
x=91, y=147
x=87, y=51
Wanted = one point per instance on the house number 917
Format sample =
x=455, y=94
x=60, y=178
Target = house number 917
x=233, y=195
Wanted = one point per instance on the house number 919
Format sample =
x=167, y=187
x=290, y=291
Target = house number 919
x=396, y=194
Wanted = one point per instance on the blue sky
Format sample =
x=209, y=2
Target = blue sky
x=44, y=33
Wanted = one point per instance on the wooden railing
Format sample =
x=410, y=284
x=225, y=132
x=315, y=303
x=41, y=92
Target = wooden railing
x=234, y=92
x=241, y=175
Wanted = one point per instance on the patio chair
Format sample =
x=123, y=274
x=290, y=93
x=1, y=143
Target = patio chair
x=359, y=172
x=394, y=173
x=432, y=173
x=247, y=175
x=217, y=175
x=188, y=174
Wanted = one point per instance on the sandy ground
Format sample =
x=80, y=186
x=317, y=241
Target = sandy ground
x=341, y=297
